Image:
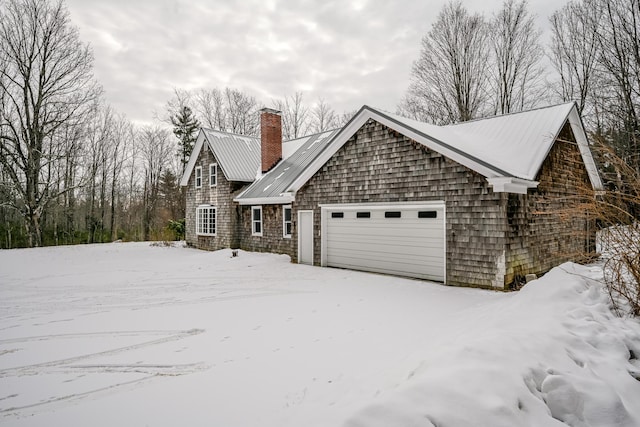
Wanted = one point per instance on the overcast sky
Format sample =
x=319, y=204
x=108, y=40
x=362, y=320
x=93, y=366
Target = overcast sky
x=348, y=52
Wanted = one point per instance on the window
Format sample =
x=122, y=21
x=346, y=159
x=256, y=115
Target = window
x=198, y=176
x=206, y=220
x=427, y=214
x=393, y=214
x=363, y=215
x=256, y=220
x=213, y=175
x=286, y=221
x=337, y=214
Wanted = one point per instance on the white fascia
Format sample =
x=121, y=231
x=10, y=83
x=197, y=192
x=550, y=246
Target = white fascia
x=282, y=199
x=193, y=158
x=508, y=184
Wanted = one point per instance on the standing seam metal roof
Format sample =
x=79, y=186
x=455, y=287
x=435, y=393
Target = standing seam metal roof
x=278, y=179
x=238, y=155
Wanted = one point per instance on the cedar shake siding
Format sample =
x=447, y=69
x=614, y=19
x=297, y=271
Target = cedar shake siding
x=379, y=165
x=538, y=238
x=272, y=239
x=220, y=196
x=494, y=236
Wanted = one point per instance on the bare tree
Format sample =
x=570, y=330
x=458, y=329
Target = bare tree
x=181, y=98
x=211, y=108
x=46, y=81
x=574, y=50
x=449, y=79
x=156, y=149
x=516, y=71
x=323, y=117
x=242, y=112
x=596, y=50
x=620, y=58
x=345, y=117
x=295, y=116
x=97, y=157
x=122, y=138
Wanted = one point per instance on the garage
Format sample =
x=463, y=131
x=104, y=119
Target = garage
x=401, y=239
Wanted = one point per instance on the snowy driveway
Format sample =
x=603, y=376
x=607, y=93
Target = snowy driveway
x=131, y=334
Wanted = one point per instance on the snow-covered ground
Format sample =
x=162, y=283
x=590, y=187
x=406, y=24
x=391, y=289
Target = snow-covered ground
x=132, y=334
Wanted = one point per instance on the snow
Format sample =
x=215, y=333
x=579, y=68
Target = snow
x=134, y=334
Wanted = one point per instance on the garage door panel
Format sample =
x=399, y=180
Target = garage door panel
x=384, y=234
x=395, y=268
x=381, y=229
x=351, y=257
x=406, y=245
x=385, y=230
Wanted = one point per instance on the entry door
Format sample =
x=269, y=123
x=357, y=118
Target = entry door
x=305, y=237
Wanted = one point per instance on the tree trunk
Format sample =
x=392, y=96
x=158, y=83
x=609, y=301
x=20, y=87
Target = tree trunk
x=33, y=228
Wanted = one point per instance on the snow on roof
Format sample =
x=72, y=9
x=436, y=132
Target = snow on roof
x=297, y=155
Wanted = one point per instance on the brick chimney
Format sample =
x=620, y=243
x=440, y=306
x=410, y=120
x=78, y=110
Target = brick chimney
x=270, y=137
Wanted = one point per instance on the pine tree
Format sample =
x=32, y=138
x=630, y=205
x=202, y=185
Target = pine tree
x=185, y=127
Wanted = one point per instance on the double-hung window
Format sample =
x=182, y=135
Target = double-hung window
x=286, y=221
x=213, y=175
x=256, y=220
x=198, y=176
x=206, y=220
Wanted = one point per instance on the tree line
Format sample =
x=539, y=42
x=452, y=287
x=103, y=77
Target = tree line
x=74, y=170
x=471, y=66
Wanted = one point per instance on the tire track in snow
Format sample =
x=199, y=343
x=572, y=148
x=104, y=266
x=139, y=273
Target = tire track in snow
x=33, y=369
x=68, y=366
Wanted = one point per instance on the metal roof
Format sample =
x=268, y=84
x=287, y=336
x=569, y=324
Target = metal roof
x=518, y=142
x=238, y=155
x=513, y=145
x=301, y=152
x=508, y=150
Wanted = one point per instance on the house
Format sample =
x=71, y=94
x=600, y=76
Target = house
x=466, y=204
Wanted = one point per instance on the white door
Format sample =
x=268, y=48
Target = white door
x=305, y=237
x=399, y=239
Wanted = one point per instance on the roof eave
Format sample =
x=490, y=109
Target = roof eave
x=508, y=184
x=282, y=199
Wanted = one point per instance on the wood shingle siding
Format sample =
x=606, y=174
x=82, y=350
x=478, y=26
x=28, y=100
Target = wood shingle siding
x=220, y=196
x=497, y=227
x=539, y=237
x=272, y=239
x=379, y=165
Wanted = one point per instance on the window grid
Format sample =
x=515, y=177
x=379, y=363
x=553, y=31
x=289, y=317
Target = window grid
x=256, y=220
x=213, y=175
x=198, y=176
x=206, y=221
x=286, y=221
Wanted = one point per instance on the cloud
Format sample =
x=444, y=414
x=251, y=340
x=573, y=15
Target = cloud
x=348, y=53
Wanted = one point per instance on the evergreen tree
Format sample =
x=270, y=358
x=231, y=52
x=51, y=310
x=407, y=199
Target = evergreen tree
x=185, y=127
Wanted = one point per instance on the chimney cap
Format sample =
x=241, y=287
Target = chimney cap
x=271, y=111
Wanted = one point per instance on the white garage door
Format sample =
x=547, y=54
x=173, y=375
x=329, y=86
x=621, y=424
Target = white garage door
x=399, y=239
